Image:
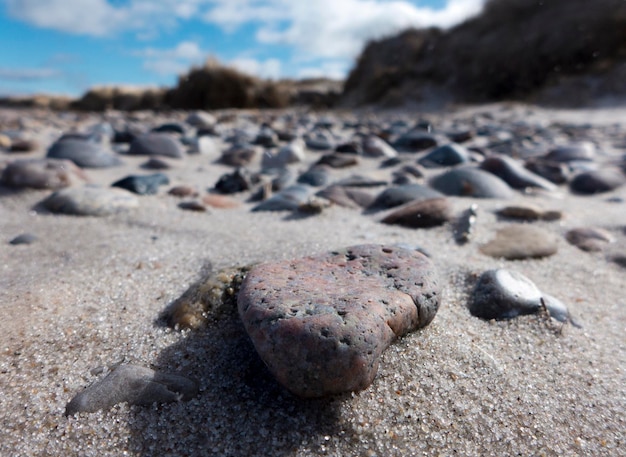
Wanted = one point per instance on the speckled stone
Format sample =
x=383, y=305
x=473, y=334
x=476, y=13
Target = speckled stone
x=521, y=241
x=320, y=323
x=135, y=385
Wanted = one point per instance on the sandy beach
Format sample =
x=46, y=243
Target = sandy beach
x=89, y=293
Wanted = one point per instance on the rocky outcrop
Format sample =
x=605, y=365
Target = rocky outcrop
x=515, y=49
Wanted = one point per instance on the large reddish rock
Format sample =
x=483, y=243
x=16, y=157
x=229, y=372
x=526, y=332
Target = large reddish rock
x=320, y=323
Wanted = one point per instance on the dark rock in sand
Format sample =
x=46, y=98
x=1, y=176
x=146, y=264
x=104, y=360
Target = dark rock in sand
x=399, y=195
x=157, y=144
x=445, y=155
x=572, y=152
x=316, y=177
x=156, y=163
x=590, y=239
x=555, y=172
x=84, y=153
x=24, y=238
x=238, y=181
x=521, y=241
x=360, y=181
x=338, y=160
x=597, y=181
x=321, y=323
x=192, y=205
x=170, y=127
x=346, y=197
x=415, y=141
x=135, y=385
x=183, y=191
x=239, y=155
x=90, y=201
x=421, y=214
x=528, y=212
x=288, y=199
x=42, y=174
x=143, y=185
x=471, y=182
x=514, y=174
x=504, y=294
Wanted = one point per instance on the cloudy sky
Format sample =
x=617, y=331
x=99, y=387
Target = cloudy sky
x=67, y=46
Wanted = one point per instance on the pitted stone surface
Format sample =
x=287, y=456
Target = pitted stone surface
x=320, y=323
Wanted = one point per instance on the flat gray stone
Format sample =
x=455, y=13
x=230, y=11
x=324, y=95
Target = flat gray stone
x=521, y=241
x=320, y=323
x=132, y=384
x=83, y=152
x=157, y=144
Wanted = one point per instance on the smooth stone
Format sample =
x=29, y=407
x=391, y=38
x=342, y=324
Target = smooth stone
x=504, y=294
x=157, y=144
x=220, y=201
x=24, y=238
x=360, y=181
x=514, y=174
x=471, y=182
x=170, y=127
x=288, y=199
x=399, y=195
x=521, y=241
x=336, y=160
x=266, y=138
x=280, y=178
x=23, y=145
x=134, y=385
x=555, y=172
x=192, y=205
x=590, y=239
x=421, y=214
x=319, y=141
x=597, y=181
x=415, y=141
x=286, y=155
x=316, y=177
x=528, y=212
x=239, y=155
x=90, y=201
x=201, y=120
x=84, y=153
x=206, y=146
x=575, y=151
x=42, y=174
x=183, y=191
x=445, y=155
x=239, y=180
x=557, y=310
x=157, y=163
x=321, y=323
x=143, y=185
x=374, y=146
x=346, y=197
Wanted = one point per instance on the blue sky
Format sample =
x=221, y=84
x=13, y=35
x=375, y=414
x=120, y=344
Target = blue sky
x=67, y=46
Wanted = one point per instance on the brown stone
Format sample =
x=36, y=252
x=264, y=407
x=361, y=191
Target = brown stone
x=521, y=241
x=421, y=214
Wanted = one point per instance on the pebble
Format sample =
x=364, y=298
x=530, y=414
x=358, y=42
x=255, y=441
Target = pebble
x=415, y=141
x=239, y=180
x=374, y=146
x=23, y=145
x=220, y=201
x=576, y=151
x=321, y=323
x=192, y=205
x=597, y=181
x=504, y=294
x=134, y=385
x=471, y=182
x=170, y=127
x=183, y=191
x=317, y=176
x=590, y=239
x=421, y=214
x=338, y=160
x=24, y=238
x=466, y=224
x=157, y=163
x=521, y=241
x=201, y=120
x=445, y=155
x=90, y=201
x=514, y=174
x=239, y=155
x=399, y=195
x=143, y=185
x=528, y=212
x=157, y=144
x=555, y=172
x=42, y=174
x=84, y=153
x=288, y=199
x=346, y=197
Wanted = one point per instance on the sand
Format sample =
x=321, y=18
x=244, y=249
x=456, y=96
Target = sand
x=89, y=292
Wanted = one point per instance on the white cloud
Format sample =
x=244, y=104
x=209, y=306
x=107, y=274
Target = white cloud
x=172, y=61
x=270, y=68
x=28, y=74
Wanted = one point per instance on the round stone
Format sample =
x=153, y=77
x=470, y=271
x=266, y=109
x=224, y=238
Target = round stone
x=471, y=182
x=90, y=201
x=83, y=152
x=42, y=174
x=521, y=241
x=421, y=214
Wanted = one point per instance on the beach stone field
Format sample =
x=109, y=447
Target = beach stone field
x=303, y=283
